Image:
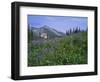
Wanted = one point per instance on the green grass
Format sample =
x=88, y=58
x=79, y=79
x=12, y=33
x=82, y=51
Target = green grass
x=68, y=50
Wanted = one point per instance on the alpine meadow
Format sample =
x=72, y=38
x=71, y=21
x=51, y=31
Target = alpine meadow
x=57, y=40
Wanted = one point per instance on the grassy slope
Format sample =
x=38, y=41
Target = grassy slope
x=59, y=51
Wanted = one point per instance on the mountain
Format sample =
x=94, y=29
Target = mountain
x=51, y=33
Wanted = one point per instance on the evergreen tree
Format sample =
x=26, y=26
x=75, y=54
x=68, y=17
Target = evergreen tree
x=70, y=31
x=67, y=32
x=30, y=34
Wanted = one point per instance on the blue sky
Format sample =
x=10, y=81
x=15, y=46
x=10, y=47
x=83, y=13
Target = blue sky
x=60, y=23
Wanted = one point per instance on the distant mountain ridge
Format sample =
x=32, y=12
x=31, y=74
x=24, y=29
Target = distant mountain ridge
x=46, y=29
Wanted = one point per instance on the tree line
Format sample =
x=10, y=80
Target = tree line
x=75, y=30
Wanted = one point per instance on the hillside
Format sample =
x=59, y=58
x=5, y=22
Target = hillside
x=65, y=50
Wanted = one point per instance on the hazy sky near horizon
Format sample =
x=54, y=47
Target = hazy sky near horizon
x=59, y=23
